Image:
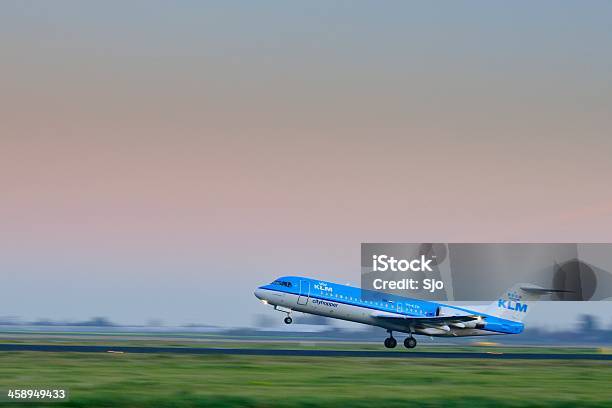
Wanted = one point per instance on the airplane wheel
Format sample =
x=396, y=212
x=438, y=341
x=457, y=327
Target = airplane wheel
x=410, y=342
x=390, y=342
x=288, y=320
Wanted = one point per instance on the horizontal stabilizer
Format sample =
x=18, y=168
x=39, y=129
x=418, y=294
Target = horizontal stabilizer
x=541, y=291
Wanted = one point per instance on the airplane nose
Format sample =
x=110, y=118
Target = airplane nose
x=258, y=293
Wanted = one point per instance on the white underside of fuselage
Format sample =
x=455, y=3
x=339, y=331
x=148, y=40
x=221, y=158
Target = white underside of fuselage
x=358, y=314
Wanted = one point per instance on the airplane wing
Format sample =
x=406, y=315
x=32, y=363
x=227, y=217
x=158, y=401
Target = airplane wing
x=431, y=321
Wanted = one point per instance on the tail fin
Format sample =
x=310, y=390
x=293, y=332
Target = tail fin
x=513, y=303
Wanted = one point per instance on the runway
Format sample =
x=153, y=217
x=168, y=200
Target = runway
x=299, y=353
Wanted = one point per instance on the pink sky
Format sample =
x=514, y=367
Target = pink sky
x=138, y=154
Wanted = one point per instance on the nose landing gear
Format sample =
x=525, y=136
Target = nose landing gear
x=288, y=319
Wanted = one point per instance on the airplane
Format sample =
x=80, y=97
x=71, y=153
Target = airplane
x=398, y=313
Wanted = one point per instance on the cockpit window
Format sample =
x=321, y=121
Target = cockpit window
x=286, y=284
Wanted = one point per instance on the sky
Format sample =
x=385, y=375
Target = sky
x=160, y=160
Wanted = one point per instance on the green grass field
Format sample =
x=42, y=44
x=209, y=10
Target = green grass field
x=126, y=380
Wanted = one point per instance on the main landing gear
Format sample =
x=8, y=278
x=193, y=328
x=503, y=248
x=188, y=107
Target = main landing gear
x=409, y=342
x=288, y=320
x=390, y=341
